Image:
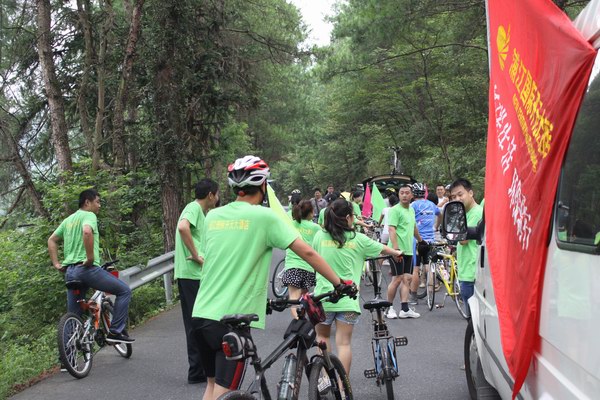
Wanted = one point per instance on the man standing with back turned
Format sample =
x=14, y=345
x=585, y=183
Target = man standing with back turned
x=188, y=265
x=79, y=231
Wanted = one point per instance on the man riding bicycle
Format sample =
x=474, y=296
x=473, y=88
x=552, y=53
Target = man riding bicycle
x=79, y=232
x=239, y=239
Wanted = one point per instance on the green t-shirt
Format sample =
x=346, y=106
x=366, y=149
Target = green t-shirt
x=238, y=242
x=321, y=220
x=466, y=254
x=184, y=268
x=307, y=230
x=347, y=262
x=71, y=231
x=404, y=220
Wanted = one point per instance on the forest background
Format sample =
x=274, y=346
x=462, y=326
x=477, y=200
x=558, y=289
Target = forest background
x=141, y=98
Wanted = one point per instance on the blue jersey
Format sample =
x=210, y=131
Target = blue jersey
x=425, y=214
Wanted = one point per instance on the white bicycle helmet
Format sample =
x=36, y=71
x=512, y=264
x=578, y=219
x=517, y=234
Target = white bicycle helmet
x=247, y=171
x=418, y=189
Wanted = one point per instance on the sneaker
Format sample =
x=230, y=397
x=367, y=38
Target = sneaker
x=119, y=338
x=391, y=313
x=412, y=299
x=422, y=284
x=408, y=314
x=63, y=367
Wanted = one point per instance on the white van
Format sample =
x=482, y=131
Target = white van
x=568, y=363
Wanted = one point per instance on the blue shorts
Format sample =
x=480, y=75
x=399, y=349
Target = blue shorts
x=347, y=317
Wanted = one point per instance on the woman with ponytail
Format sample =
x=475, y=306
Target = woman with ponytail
x=345, y=250
x=298, y=276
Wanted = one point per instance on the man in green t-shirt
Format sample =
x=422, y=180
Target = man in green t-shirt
x=239, y=239
x=188, y=265
x=357, y=199
x=466, y=251
x=79, y=232
x=402, y=228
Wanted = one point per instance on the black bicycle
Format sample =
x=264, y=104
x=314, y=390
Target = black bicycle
x=279, y=289
x=327, y=378
x=383, y=343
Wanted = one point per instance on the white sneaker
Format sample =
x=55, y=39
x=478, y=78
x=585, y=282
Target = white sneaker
x=391, y=313
x=408, y=314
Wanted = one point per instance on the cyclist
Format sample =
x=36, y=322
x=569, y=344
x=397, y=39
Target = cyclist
x=239, y=239
x=466, y=251
x=188, y=265
x=294, y=200
x=79, y=232
x=402, y=228
x=345, y=250
x=298, y=276
x=427, y=217
x=357, y=198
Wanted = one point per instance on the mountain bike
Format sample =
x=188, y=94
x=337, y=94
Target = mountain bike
x=327, y=378
x=383, y=343
x=443, y=268
x=277, y=286
x=77, y=335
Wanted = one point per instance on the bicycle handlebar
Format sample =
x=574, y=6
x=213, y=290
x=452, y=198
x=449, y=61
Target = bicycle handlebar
x=349, y=290
x=108, y=264
x=379, y=258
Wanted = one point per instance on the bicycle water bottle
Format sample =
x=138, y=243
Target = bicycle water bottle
x=288, y=378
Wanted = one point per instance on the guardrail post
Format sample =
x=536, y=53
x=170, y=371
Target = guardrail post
x=168, y=281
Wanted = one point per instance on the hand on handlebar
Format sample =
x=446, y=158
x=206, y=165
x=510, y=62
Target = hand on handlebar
x=345, y=288
x=276, y=305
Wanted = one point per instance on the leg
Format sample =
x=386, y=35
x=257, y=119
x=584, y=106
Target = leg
x=467, y=289
x=188, y=289
x=405, y=288
x=72, y=298
x=323, y=334
x=343, y=341
x=414, y=286
x=396, y=270
x=294, y=294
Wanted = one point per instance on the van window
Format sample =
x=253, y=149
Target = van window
x=578, y=209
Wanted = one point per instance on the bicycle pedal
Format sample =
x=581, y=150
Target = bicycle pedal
x=370, y=373
x=439, y=306
x=401, y=341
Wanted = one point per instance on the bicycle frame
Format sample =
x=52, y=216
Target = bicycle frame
x=448, y=259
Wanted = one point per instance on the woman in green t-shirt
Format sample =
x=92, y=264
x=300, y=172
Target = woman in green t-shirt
x=298, y=276
x=345, y=250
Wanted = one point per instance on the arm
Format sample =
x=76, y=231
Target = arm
x=393, y=236
x=53, y=251
x=88, y=244
x=391, y=252
x=417, y=234
x=438, y=221
x=185, y=232
x=309, y=255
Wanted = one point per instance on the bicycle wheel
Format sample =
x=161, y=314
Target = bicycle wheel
x=324, y=385
x=460, y=304
x=388, y=372
x=75, y=349
x=236, y=395
x=430, y=285
x=422, y=291
x=124, y=349
x=279, y=289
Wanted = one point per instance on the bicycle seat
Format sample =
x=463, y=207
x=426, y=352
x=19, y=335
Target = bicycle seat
x=376, y=304
x=74, y=284
x=239, y=319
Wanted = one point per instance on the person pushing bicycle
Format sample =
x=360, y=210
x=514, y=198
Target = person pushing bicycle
x=239, y=239
x=79, y=232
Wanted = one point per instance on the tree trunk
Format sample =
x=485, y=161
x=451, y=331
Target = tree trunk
x=60, y=139
x=101, y=74
x=84, y=22
x=123, y=93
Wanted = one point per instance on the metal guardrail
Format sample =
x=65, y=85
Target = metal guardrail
x=137, y=276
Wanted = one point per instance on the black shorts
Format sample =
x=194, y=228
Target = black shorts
x=299, y=278
x=402, y=267
x=422, y=254
x=209, y=336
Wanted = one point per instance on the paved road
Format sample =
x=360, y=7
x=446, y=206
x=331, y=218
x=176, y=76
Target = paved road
x=430, y=364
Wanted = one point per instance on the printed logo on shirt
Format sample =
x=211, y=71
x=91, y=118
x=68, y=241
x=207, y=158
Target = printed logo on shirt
x=333, y=243
x=221, y=225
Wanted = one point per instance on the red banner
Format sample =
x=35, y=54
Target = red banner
x=539, y=70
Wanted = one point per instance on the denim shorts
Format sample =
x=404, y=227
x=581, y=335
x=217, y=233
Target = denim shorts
x=347, y=317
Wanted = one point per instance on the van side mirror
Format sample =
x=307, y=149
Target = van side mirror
x=454, y=226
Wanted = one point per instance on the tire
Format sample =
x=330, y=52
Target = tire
x=124, y=349
x=460, y=304
x=478, y=386
x=430, y=282
x=75, y=356
x=236, y=395
x=318, y=372
x=279, y=289
x=388, y=374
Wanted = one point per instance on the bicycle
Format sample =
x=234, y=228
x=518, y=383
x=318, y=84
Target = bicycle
x=327, y=378
x=383, y=343
x=77, y=335
x=374, y=234
x=443, y=268
x=277, y=286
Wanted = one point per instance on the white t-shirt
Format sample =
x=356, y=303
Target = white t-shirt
x=385, y=213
